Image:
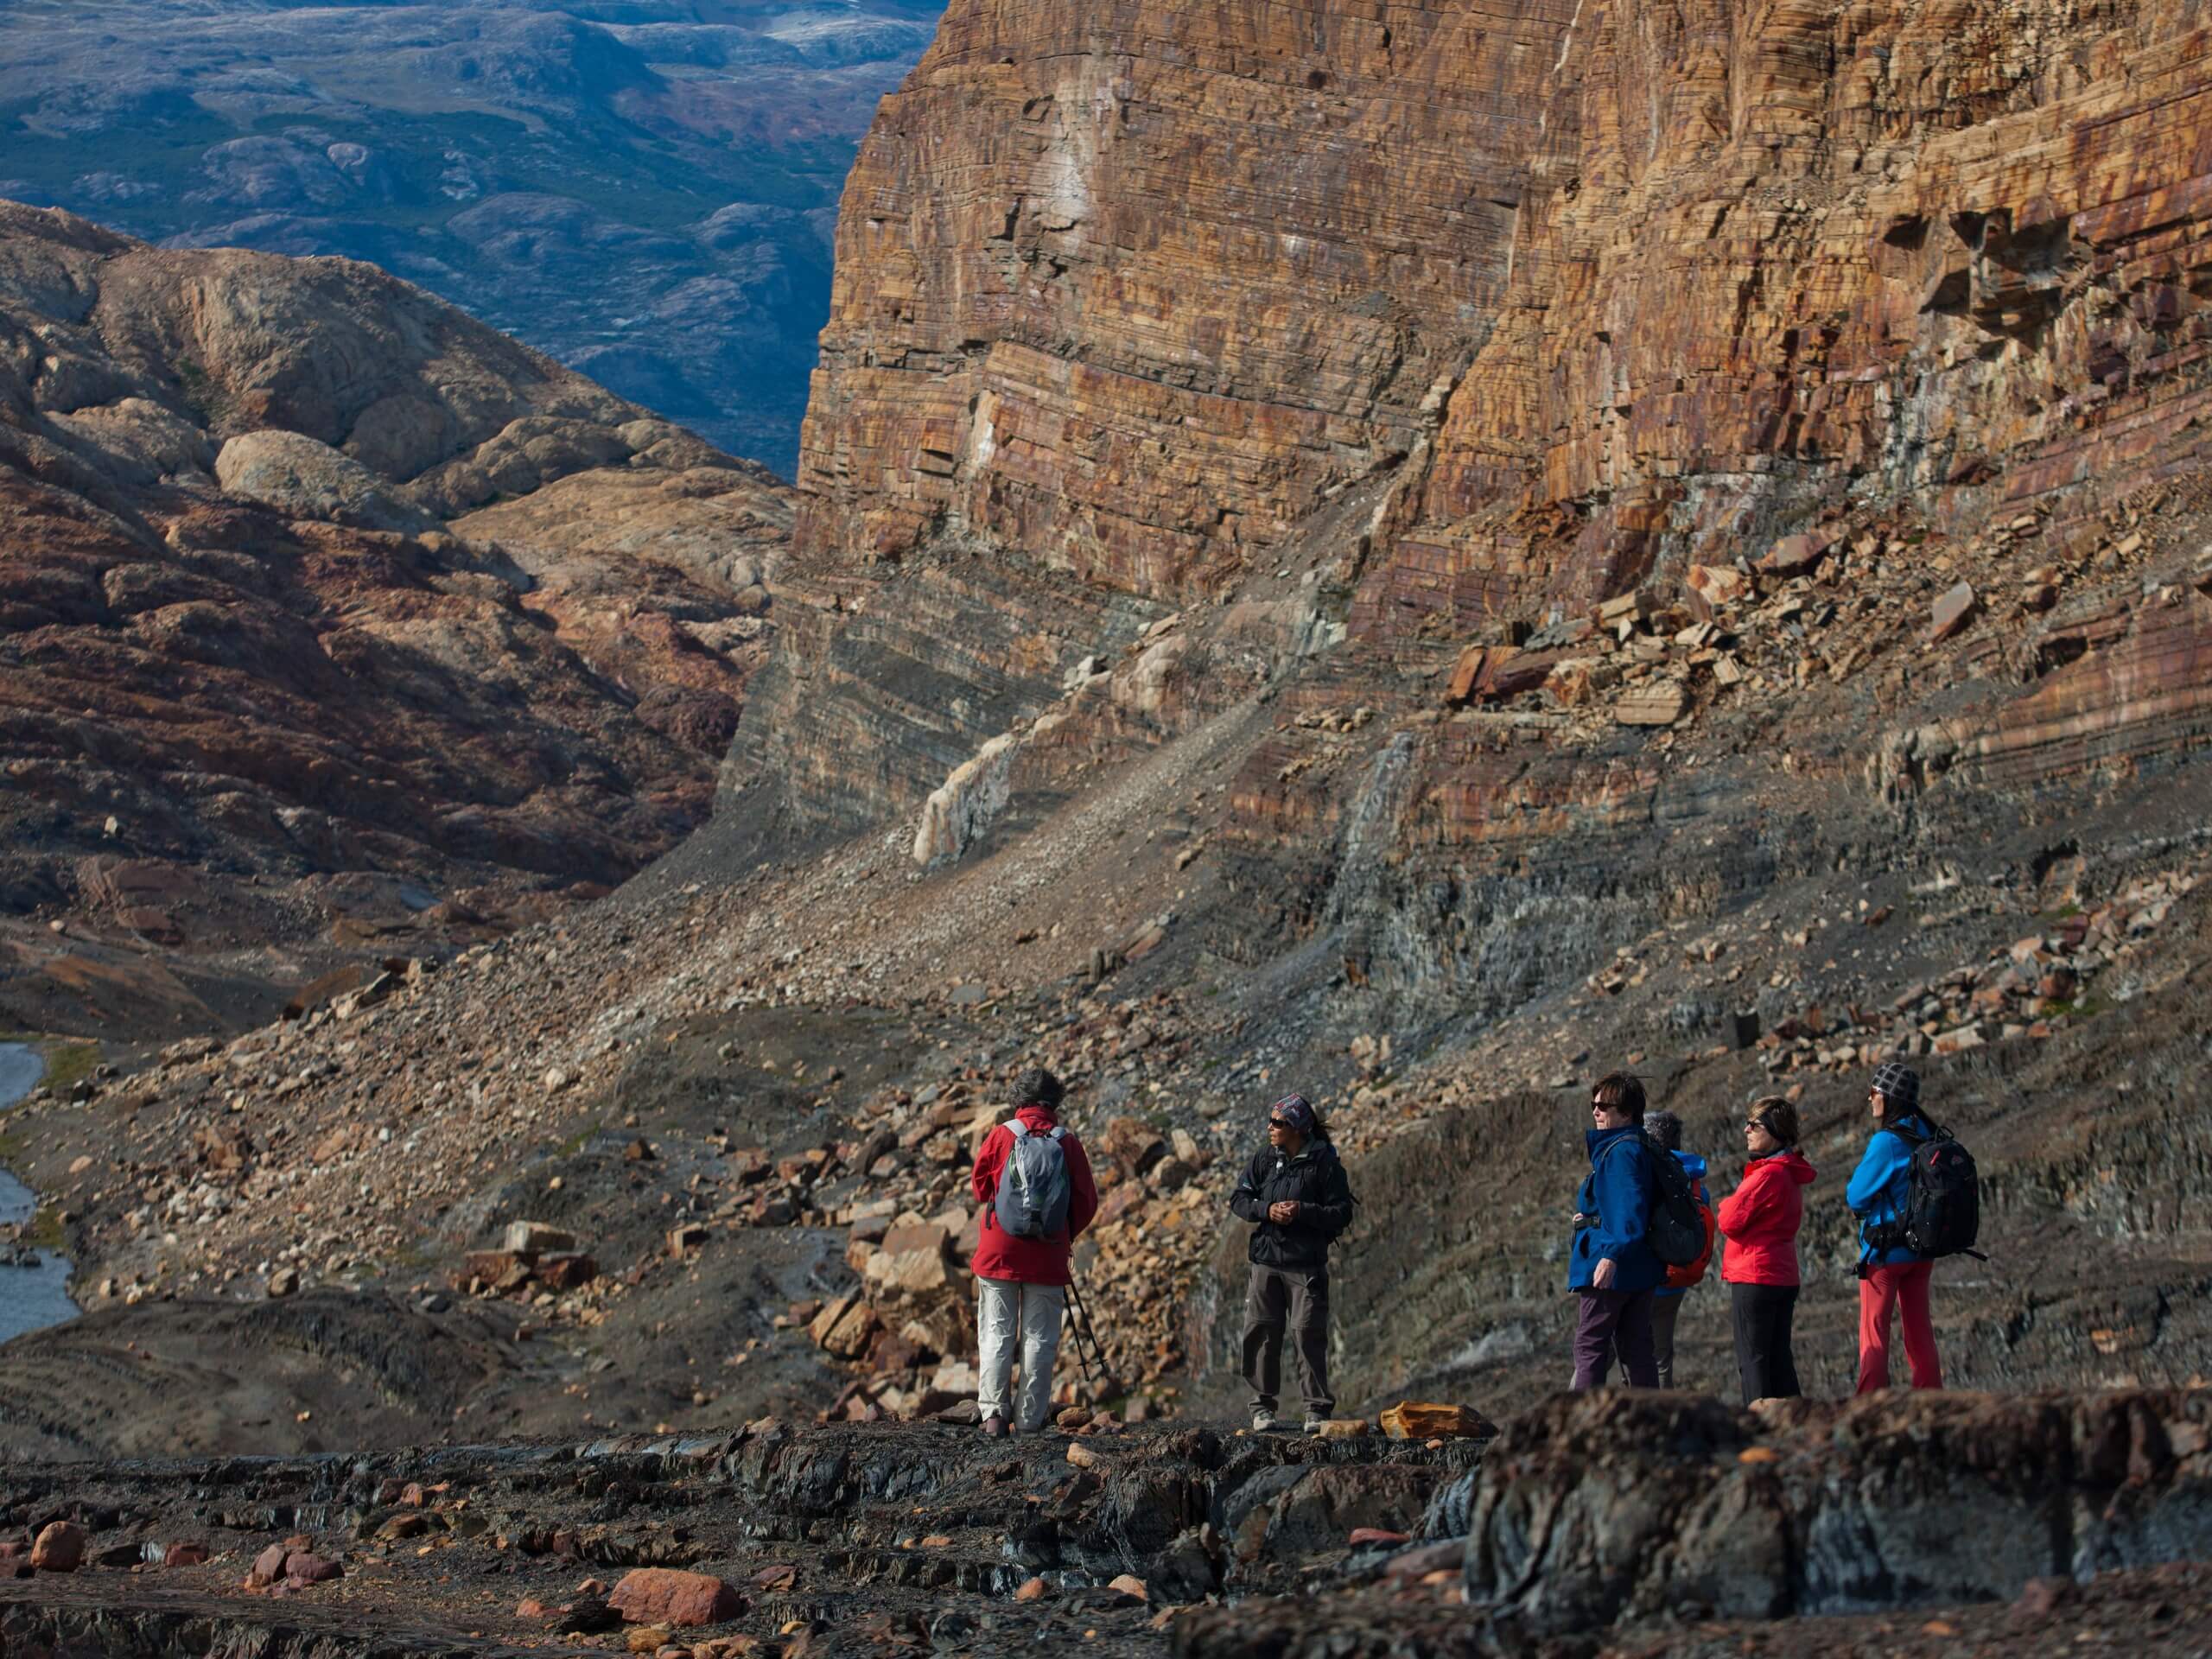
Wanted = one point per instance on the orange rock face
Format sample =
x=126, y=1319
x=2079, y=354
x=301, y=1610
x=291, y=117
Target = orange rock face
x=1767, y=256
x=1137, y=290
x=1476, y=317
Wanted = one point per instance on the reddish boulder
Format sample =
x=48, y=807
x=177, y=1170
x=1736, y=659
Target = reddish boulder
x=1713, y=588
x=1465, y=673
x=1133, y=1143
x=567, y=1272
x=184, y=1555
x=268, y=1566
x=1795, y=556
x=303, y=1568
x=60, y=1547
x=660, y=1595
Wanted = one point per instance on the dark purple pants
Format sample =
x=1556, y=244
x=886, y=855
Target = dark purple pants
x=1611, y=1318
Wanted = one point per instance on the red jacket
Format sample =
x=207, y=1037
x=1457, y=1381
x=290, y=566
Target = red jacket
x=1029, y=1261
x=1759, y=1220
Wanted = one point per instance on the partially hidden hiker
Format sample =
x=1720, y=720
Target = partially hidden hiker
x=1611, y=1266
x=1665, y=1130
x=1033, y=1180
x=1296, y=1196
x=1891, y=1274
x=1760, y=1221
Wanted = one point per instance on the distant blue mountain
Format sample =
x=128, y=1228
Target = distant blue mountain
x=644, y=190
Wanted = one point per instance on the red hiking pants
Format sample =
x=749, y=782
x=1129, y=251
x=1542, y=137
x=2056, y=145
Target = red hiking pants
x=1905, y=1288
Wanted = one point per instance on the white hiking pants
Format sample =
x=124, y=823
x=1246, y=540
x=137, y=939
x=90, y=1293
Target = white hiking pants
x=1008, y=1315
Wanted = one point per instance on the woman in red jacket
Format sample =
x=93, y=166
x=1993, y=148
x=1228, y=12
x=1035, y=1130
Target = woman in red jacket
x=1759, y=1220
x=1021, y=1278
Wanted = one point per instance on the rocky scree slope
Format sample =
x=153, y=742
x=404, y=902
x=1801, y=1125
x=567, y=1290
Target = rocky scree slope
x=1461, y=330
x=733, y=1121
x=307, y=579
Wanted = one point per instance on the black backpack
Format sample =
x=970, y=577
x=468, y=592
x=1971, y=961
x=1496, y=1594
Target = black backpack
x=1673, y=1226
x=1942, y=1206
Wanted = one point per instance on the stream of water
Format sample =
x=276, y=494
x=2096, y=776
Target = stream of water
x=30, y=1297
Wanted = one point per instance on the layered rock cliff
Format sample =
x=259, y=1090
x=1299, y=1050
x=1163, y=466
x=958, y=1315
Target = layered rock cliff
x=1359, y=338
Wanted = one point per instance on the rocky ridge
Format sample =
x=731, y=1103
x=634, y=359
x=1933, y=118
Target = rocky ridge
x=309, y=578
x=642, y=189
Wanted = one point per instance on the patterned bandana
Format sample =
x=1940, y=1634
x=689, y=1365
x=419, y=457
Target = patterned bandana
x=1295, y=1110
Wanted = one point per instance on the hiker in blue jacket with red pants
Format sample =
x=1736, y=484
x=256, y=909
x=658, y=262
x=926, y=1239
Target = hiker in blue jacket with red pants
x=1890, y=1275
x=1610, y=1267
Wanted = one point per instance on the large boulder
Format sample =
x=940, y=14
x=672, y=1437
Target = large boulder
x=302, y=478
x=59, y=1548
x=661, y=1595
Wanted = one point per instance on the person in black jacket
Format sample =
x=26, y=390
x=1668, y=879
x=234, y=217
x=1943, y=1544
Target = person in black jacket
x=1296, y=1195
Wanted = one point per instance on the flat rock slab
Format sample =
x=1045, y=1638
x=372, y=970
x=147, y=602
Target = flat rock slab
x=1658, y=705
x=655, y=1595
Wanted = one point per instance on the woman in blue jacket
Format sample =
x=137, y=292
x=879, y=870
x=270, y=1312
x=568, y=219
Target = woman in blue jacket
x=1890, y=1275
x=1609, y=1268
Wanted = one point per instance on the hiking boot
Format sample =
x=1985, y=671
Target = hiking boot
x=1313, y=1424
x=995, y=1429
x=1263, y=1423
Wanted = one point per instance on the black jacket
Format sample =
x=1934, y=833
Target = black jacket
x=1315, y=1180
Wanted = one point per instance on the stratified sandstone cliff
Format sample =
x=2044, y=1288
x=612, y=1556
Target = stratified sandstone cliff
x=1160, y=279
x=1361, y=336
x=1125, y=301
x=304, y=574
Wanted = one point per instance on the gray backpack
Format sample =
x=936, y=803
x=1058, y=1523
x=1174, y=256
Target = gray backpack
x=1033, y=1187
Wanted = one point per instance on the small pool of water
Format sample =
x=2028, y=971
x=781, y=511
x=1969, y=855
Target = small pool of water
x=30, y=1297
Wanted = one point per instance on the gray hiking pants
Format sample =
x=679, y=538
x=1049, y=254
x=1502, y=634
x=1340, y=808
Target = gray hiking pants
x=1277, y=1296
x=1017, y=1321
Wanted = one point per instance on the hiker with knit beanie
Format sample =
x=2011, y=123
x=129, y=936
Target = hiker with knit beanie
x=1034, y=1182
x=1891, y=1274
x=1296, y=1195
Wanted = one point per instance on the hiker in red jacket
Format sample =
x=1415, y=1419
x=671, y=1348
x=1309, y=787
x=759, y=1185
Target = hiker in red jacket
x=1760, y=1220
x=1035, y=1186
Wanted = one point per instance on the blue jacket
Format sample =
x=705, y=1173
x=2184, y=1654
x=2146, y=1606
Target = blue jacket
x=1618, y=1190
x=1694, y=1166
x=1879, y=1189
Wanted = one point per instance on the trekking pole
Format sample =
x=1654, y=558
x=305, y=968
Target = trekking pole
x=1075, y=1330
x=1085, y=1332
